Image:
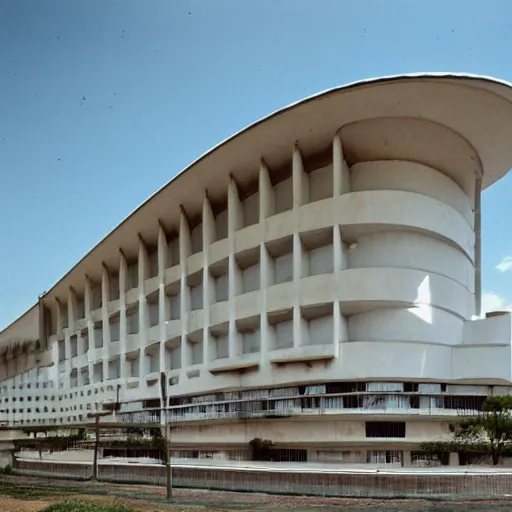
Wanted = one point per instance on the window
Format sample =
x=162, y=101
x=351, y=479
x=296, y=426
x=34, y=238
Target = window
x=132, y=319
x=464, y=402
x=62, y=352
x=115, y=328
x=74, y=346
x=387, y=429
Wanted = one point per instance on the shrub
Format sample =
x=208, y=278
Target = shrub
x=51, y=443
x=86, y=506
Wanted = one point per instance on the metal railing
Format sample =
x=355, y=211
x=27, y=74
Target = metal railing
x=206, y=408
x=363, y=403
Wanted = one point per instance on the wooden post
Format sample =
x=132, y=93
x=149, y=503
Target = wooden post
x=96, y=448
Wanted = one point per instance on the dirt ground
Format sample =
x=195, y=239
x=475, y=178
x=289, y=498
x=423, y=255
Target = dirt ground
x=17, y=505
x=24, y=494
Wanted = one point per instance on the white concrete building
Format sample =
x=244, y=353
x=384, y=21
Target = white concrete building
x=311, y=281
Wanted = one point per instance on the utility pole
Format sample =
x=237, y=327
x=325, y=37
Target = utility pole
x=96, y=446
x=97, y=415
x=166, y=435
x=168, y=468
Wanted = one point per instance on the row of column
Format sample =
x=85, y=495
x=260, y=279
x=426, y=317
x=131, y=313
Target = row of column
x=341, y=184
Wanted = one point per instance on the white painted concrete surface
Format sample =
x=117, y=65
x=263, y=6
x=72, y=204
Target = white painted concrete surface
x=340, y=258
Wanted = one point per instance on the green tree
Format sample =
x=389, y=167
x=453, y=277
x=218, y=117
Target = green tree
x=491, y=431
x=261, y=449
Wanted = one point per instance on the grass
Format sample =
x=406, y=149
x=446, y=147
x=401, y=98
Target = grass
x=48, y=498
x=30, y=492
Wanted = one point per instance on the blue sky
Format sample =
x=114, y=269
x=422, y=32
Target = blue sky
x=104, y=101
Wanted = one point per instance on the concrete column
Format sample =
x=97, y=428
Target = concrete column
x=341, y=172
x=88, y=299
x=90, y=326
x=161, y=254
x=104, y=320
x=143, y=271
x=235, y=222
x=300, y=180
x=143, y=265
x=267, y=195
x=339, y=265
x=338, y=335
x=90, y=368
x=58, y=317
x=478, y=246
x=65, y=335
x=185, y=250
x=235, y=209
x=123, y=268
x=341, y=185
x=72, y=309
x=300, y=197
x=162, y=259
x=143, y=323
x=267, y=208
x=105, y=367
x=209, y=236
x=104, y=308
x=298, y=262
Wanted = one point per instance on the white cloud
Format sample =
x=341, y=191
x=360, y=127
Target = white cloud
x=505, y=264
x=494, y=302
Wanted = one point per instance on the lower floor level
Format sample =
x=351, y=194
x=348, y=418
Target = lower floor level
x=357, y=457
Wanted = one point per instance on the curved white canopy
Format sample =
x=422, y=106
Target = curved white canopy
x=475, y=113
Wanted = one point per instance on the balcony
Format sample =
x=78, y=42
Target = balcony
x=246, y=362
x=302, y=354
x=132, y=342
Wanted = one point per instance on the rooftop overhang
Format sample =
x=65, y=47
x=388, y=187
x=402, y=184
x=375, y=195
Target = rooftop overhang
x=21, y=336
x=468, y=117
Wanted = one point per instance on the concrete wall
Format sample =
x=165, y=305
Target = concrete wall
x=320, y=482
x=336, y=433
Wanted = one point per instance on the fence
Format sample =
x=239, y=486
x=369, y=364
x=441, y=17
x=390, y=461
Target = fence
x=295, y=481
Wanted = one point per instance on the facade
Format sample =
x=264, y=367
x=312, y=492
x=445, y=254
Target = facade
x=314, y=281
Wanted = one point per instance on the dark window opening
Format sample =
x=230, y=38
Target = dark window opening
x=387, y=429
x=464, y=402
x=345, y=387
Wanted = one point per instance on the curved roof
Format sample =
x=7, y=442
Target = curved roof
x=477, y=108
